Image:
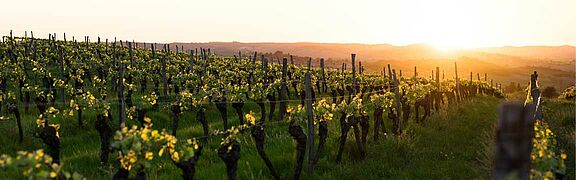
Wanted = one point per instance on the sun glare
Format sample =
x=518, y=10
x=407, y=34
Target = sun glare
x=447, y=28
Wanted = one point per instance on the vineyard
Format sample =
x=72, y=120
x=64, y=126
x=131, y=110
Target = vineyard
x=143, y=110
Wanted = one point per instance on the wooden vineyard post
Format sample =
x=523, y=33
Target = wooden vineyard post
x=390, y=72
x=415, y=72
x=535, y=94
x=309, y=64
x=457, y=93
x=283, y=90
x=265, y=69
x=398, y=104
x=471, y=77
x=354, y=74
x=121, y=106
x=324, y=86
x=205, y=64
x=63, y=77
x=359, y=67
x=309, y=111
x=131, y=51
x=513, y=141
x=191, y=60
x=254, y=57
x=438, y=94
x=272, y=106
x=438, y=77
x=478, y=76
x=163, y=69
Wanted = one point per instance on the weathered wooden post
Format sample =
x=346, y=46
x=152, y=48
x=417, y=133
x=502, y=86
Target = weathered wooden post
x=265, y=69
x=191, y=61
x=62, y=76
x=438, y=77
x=438, y=94
x=283, y=90
x=324, y=86
x=309, y=64
x=360, y=67
x=120, y=84
x=131, y=52
x=354, y=74
x=398, y=103
x=390, y=74
x=415, y=72
x=164, y=78
x=457, y=93
x=310, y=113
x=384, y=71
x=535, y=94
x=513, y=142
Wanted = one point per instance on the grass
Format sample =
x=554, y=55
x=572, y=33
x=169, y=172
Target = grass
x=454, y=143
x=561, y=116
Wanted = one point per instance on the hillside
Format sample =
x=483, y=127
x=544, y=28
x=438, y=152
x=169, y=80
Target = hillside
x=502, y=64
x=370, y=52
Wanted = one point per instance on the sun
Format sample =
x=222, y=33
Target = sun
x=446, y=28
x=449, y=45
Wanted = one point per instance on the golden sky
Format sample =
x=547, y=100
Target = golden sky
x=443, y=23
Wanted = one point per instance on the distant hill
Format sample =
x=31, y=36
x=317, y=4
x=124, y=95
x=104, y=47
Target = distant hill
x=371, y=52
x=538, y=52
x=556, y=64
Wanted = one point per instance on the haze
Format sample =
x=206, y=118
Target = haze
x=445, y=24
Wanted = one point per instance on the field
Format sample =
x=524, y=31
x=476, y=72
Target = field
x=73, y=99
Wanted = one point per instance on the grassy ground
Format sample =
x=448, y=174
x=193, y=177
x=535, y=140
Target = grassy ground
x=561, y=116
x=452, y=144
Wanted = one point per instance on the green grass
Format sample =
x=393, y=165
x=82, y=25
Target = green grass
x=454, y=143
x=561, y=116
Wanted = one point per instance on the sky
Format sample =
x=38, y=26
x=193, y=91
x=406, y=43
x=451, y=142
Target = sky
x=442, y=23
